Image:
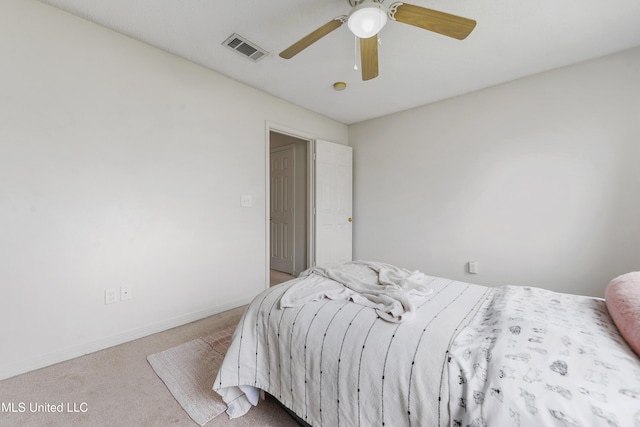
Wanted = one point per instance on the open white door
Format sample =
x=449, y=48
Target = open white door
x=333, y=184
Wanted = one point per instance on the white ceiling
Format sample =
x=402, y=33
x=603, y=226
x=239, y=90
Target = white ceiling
x=513, y=39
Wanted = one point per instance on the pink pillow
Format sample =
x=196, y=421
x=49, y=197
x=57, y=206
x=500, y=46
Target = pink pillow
x=623, y=302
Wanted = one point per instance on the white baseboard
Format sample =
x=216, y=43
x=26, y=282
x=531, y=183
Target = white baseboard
x=110, y=341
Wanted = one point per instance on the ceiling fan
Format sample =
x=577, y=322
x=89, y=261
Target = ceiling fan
x=366, y=19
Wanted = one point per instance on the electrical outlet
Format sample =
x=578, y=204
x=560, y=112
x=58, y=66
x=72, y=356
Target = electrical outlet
x=110, y=295
x=474, y=267
x=125, y=293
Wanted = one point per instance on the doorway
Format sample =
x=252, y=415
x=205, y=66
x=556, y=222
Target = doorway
x=289, y=201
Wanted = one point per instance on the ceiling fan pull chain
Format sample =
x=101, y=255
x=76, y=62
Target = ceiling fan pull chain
x=355, y=53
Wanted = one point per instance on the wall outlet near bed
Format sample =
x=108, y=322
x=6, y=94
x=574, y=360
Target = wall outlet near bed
x=474, y=267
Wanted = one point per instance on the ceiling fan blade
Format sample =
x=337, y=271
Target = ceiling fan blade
x=369, y=57
x=312, y=37
x=432, y=20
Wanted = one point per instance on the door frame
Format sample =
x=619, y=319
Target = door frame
x=310, y=141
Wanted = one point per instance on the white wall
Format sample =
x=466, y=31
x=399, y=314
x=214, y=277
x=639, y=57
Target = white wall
x=123, y=165
x=537, y=179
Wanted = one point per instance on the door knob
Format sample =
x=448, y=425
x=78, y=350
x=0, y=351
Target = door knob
x=350, y=220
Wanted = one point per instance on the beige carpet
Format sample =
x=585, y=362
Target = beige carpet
x=189, y=370
x=277, y=277
x=120, y=388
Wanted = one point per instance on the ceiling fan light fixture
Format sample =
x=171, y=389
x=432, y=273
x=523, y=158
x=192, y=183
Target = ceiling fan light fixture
x=367, y=19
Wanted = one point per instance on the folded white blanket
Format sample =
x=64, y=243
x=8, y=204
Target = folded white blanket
x=393, y=292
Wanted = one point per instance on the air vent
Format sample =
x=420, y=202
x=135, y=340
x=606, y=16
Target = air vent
x=245, y=47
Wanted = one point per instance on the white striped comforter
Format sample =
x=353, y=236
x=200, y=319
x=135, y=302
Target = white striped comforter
x=335, y=363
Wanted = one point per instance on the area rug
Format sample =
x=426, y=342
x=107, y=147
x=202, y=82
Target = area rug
x=189, y=371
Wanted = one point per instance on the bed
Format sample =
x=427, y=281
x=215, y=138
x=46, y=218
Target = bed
x=429, y=352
